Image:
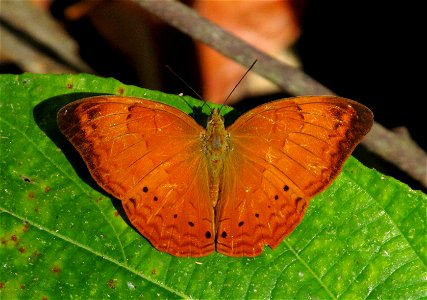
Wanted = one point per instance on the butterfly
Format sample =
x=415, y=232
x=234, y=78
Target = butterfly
x=191, y=191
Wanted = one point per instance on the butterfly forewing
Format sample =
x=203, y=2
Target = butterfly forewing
x=142, y=152
x=284, y=153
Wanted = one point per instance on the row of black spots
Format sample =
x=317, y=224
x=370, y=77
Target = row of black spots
x=240, y=224
x=285, y=188
x=145, y=190
x=208, y=234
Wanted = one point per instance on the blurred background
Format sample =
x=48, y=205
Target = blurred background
x=365, y=51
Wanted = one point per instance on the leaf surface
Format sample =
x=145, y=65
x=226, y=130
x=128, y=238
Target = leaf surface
x=62, y=236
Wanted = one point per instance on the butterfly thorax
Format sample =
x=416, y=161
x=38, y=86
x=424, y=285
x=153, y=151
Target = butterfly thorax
x=215, y=144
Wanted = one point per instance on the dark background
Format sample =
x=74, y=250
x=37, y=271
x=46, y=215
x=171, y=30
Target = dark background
x=368, y=51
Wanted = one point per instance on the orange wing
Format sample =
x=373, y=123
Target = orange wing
x=148, y=155
x=284, y=153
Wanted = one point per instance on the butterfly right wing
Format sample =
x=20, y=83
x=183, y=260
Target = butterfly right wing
x=283, y=153
x=148, y=155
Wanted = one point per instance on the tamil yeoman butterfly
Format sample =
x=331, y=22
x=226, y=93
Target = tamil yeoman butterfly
x=192, y=191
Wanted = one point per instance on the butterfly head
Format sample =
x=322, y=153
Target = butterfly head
x=215, y=119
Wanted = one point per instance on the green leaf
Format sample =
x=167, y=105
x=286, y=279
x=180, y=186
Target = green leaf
x=62, y=236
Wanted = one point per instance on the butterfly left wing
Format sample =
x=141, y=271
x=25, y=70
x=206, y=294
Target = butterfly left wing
x=147, y=154
x=284, y=153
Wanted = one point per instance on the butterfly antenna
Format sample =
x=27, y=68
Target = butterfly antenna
x=244, y=75
x=186, y=84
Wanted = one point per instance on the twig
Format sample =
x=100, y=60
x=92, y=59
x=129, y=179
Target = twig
x=401, y=151
x=33, y=40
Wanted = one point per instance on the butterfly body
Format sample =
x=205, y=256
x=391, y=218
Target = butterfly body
x=216, y=146
x=191, y=191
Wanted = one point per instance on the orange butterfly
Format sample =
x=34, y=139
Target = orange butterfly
x=191, y=191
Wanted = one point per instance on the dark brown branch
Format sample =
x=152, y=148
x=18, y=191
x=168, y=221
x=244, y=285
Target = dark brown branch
x=35, y=42
x=401, y=151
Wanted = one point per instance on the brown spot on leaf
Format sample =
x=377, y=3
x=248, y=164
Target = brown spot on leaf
x=31, y=195
x=56, y=269
x=112, y=283
x=14, y=238
x=120, y=91
x=26, y=227
x=116, y=213
x=47, y=189
x=21, y=250
x=70, y=86
x=26, y=179
x=153, y=272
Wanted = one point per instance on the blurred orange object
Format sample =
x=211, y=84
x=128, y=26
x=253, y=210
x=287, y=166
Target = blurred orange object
x=271, y=26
